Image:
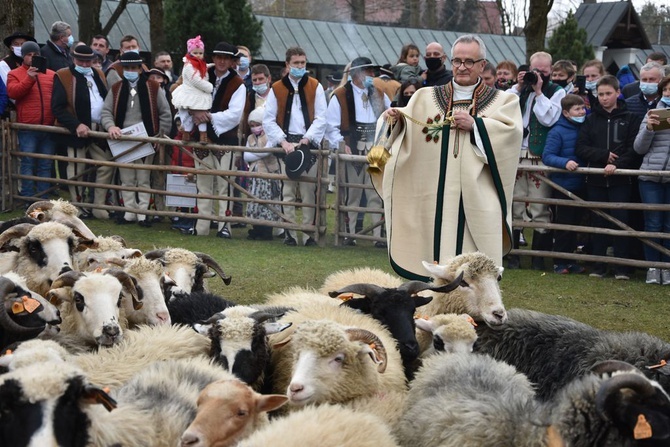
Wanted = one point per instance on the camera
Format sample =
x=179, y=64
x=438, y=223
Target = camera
x=530, y=78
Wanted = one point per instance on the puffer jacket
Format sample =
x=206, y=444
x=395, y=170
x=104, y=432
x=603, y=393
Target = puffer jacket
x=32, y=96
x=559, y=149
x=604, y=132
x=655, y=146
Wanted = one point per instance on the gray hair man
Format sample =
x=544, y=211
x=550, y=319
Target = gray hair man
x=57, y=48
x=651, y=74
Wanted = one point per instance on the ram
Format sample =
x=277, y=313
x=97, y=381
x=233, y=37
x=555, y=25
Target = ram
x=468, y=400
x=60, y=211
x=446, y=333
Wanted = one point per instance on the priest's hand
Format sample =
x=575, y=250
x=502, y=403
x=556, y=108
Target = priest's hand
x=391, y=113
x=464, y=121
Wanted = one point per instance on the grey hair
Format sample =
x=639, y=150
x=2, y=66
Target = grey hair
x=58, y=30
x=651, y=65
x=470, y=38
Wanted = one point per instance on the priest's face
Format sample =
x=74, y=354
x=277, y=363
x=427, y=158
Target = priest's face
x=468, y=52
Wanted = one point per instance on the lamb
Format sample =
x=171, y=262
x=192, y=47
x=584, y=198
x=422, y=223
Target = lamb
x=475, y=400
x=60, y=211
x=105, y=248
x=91, y=304
x=23, y=314
x=325, y=426
x=44, y=252
x=446, y=333
x=552, y=350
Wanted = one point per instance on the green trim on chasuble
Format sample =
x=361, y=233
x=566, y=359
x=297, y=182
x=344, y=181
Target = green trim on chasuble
x=439, y=206
x=495, y=173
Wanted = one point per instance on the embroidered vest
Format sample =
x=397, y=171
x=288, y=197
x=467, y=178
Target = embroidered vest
x=345, y=96
x=537, y=136
x=69, y=82
x=285, y=100
x=150, y=96
x=224, y=93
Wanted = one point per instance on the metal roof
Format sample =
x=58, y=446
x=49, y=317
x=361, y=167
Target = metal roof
x=612, y=24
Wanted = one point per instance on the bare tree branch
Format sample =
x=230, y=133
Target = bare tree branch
x=114, y=17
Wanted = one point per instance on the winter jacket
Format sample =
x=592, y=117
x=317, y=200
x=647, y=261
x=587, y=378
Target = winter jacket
x=655, y=146
x=403, y=71
x=559, y=149
x=639, y=105
x=56, y=58
x=604, y=132
x=32, y=95
x=441, y=76
x=3, y=97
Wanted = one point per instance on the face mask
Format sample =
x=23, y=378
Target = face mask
x=562, y=82
x=368, y=82
x=665, y=100
x=244, y=63
x=433, y=63
x=17, y=51
x=257, y=130
x=70, y=41
x=131, y=75
x=648, y=88
x=83, y=70
x=591, y=85
x=260, y=88
x=578, y=119
x=298, y=73
x=545, y=79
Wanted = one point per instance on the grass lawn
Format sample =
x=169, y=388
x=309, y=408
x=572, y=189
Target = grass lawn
x=262, y=267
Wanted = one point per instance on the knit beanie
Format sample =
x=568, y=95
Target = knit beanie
x=256, y=115
x=30, y=47
x=194, y=43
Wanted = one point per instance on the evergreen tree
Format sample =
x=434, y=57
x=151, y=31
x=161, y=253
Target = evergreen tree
x=246, y=28
x=569, y=42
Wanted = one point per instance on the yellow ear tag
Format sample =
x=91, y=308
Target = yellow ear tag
x=30, y=304
x=347, y=296
x=17, y=308
x=642, y=429
x=472, y=321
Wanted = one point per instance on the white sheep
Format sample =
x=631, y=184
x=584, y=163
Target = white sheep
x=105, y=248
x=445, y=333
x=295, y=297
x=60, y=211
x=323, y=426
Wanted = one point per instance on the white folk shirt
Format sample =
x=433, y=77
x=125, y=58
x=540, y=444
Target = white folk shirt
x=547, y=110
x=97, y=101
x=296, y=125
x=228, y=119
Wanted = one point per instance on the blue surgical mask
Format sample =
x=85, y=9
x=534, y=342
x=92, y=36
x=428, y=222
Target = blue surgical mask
x=648, y=88
x=368, y=81
x=244, y=63
x=298, y=72
x=260, y=88
x=578, y=119
x=83, y=70
x=132, y=76
x=70, y=40
x=591, y=85
x=665, y=100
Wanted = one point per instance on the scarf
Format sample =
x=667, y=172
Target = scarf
x=199, y=64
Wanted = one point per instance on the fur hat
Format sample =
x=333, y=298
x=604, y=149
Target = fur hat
x=131, y=58
x=256, y=115
x=29, y=47
x=196, y=42
x=83, y=53
x=298, y=161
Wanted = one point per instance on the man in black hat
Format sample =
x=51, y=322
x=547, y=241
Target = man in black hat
x=78, y=95
x=295, y=114
x=222, y=120
x=136, y=99
x=334, y=80
x=14, y=59
x=352, y=117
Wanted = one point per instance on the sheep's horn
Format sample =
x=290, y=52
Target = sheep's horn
x=119, y=239
x=77, y=226
x=67, y=279
x=610, y=366
x=128, y=283
x=15, y=232
x=413, y=287
x=368, y=337
x=261, y=316
x=449, y=287
x=360, y=289
x=155, y=254
x=211, y=263
x=117, y=261
x=606, y=395
x=36, y=210
x=7, y=287
x=214, y=318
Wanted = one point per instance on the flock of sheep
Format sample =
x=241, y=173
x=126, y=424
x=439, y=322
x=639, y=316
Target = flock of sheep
x=105, y=346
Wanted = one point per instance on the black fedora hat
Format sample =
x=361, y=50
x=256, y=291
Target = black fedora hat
x=17, y=35
x=226, y=49
x=130, y=58
x=335, y=77
x=298, y=161
x=83, y=53
x=362, y=62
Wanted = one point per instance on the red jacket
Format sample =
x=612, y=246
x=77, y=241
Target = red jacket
x=32, y=96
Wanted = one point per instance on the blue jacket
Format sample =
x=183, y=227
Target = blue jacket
x=559, y=149
x=639, y=105
x=3, y=97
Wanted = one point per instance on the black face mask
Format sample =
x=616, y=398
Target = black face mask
x=545, y=79
x=562, y=82
x=433, y=63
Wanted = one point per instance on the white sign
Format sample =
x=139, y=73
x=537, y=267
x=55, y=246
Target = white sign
x=120, y=147
x=180, y=183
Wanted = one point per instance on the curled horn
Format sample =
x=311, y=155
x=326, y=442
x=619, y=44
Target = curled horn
x=211, y=263
x=67, y=279
x=369, y=338
x=15, y=232
x=7, y=287
x=78, y=227
x=38, y=210
x=214, y=318
x=155, y=254
x=360, y=289
x=128, y=283
x=414, y=287
x=610, y=366
x=121, y=240
x=449, y=287
x=610, y=388
x=262, y=316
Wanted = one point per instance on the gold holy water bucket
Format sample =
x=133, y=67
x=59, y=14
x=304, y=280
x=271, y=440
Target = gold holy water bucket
x=378, y=154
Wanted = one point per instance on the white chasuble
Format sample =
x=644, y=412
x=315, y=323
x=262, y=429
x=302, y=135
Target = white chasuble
x=443, y=194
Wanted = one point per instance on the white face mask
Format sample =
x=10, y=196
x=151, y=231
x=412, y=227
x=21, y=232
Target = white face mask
x=17, y=51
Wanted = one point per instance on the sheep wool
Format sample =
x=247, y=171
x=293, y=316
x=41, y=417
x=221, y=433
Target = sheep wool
x=449, y=328
x=364, y=275
x=298, y=297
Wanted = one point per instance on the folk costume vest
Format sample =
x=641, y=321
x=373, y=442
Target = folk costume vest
x=537, y=136
x=78, y=96
x=224, y=93
x=147, y=92
x=345, y=96
x=283, y=90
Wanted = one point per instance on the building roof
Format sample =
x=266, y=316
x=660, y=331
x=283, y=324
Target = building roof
x=612, y=24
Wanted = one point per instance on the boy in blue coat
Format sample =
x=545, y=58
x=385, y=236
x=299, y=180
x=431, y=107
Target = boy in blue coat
x=559, y=152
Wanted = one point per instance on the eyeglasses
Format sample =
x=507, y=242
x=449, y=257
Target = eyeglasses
x=469, y=63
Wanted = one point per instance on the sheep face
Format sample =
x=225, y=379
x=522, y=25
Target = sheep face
x=449, y=333
x=149, y=276
x=328, y=366
x=228, y=411
x=479, y=292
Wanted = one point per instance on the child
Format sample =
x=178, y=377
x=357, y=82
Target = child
x=264, y=189
x=559, y=152
x=408, y=63
x=195, y=92
x=563, y=74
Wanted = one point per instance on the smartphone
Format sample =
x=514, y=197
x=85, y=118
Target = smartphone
x=580, y=83
x=40, y=62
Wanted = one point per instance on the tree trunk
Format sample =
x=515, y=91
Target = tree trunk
x=114, y=17
x=89, y=20
x=17, y=15
x=430, y=14
x=358, y=11
x=157, y=28
x=536, y=25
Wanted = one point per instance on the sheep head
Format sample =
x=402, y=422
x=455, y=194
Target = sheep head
x=24, y=312
x=60, y=211
x=450, y=333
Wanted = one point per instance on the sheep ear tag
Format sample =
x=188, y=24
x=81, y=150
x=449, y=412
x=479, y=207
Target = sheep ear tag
x=95, y=395
x=642, y=429
x=30, y=304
